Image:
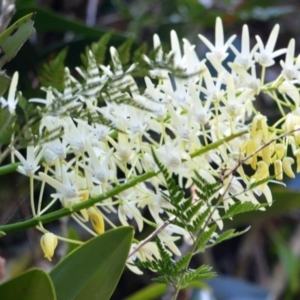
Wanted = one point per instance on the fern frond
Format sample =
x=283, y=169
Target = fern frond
x=202, y=273
x=205, y=190
x=227, y=235
x=198, y=222
x=205, y=237
x=239, y=208
x=98, y=49
x=52, y=73
x=124, y=51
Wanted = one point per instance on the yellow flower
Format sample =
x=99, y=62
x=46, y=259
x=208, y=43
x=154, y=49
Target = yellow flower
x=260, y=136
x=249, y=148
x=84, y=196
x=96, y=219
x=297, y=134
x=48, y=244
x=261, y=173
x=278, y=169
x=279, y=150
x=287, y=166
x=297, y=155
x=259, y=130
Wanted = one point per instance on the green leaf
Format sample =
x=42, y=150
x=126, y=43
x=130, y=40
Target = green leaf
x=239, y=208
x=72, y=235
x=11, y=41
x=98, y=49
x=124, y=51
x=283, y=201
x=92, y=271
x=202, y=273
x=46, y=20
x=14, y=37
x=228, y=234
x=6, y=122
x=53, y=72
x=28, y=286
x=205, y=236
x=4, y=83
x=152, y=291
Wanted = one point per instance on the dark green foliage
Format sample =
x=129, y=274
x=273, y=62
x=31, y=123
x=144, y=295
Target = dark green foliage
x=124, y=52
x=202, y=273
x=199, y=221
x=205, y=190
x=53, y=73
x=139, y=52
x=186, y=215
x=226, y=235
x=205, y=236
x=6, y=126
x=239, y=208
x=175, y=196
x=98, y=49
x=173, y=272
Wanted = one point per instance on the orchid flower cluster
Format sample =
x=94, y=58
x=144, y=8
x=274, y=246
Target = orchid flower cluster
x=195, y=123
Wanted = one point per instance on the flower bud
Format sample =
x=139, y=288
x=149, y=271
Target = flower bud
x=96, y=219
x=279, y=150
x=48, y=244
x=278, y=169
x=287, y=166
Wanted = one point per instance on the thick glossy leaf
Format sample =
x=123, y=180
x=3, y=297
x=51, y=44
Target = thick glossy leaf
x=152, y=291
x=48, y=21
x=156, y=290
x=14, y=37
x=93, y=270
x=30, y=285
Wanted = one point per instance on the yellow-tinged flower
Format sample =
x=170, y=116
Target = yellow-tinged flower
x=279, y=150
x=266, y=154
x=249, y=148
x=48, y=244
x=96, y=219
x=261, y=173
x=297, y=134
x=259, y=130
x=297, y=155
x=84, y=196
x=291, y=121
x=278, y=169
x=260, y=135
x=287, y=166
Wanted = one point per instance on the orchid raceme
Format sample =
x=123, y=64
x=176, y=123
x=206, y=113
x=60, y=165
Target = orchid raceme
x=187, y=123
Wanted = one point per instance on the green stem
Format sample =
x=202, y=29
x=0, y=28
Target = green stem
x=217, y=143
x=92, y=201
x=76, y=207
x=9, y=168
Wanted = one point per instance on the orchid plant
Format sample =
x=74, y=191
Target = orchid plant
x=115, y=148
